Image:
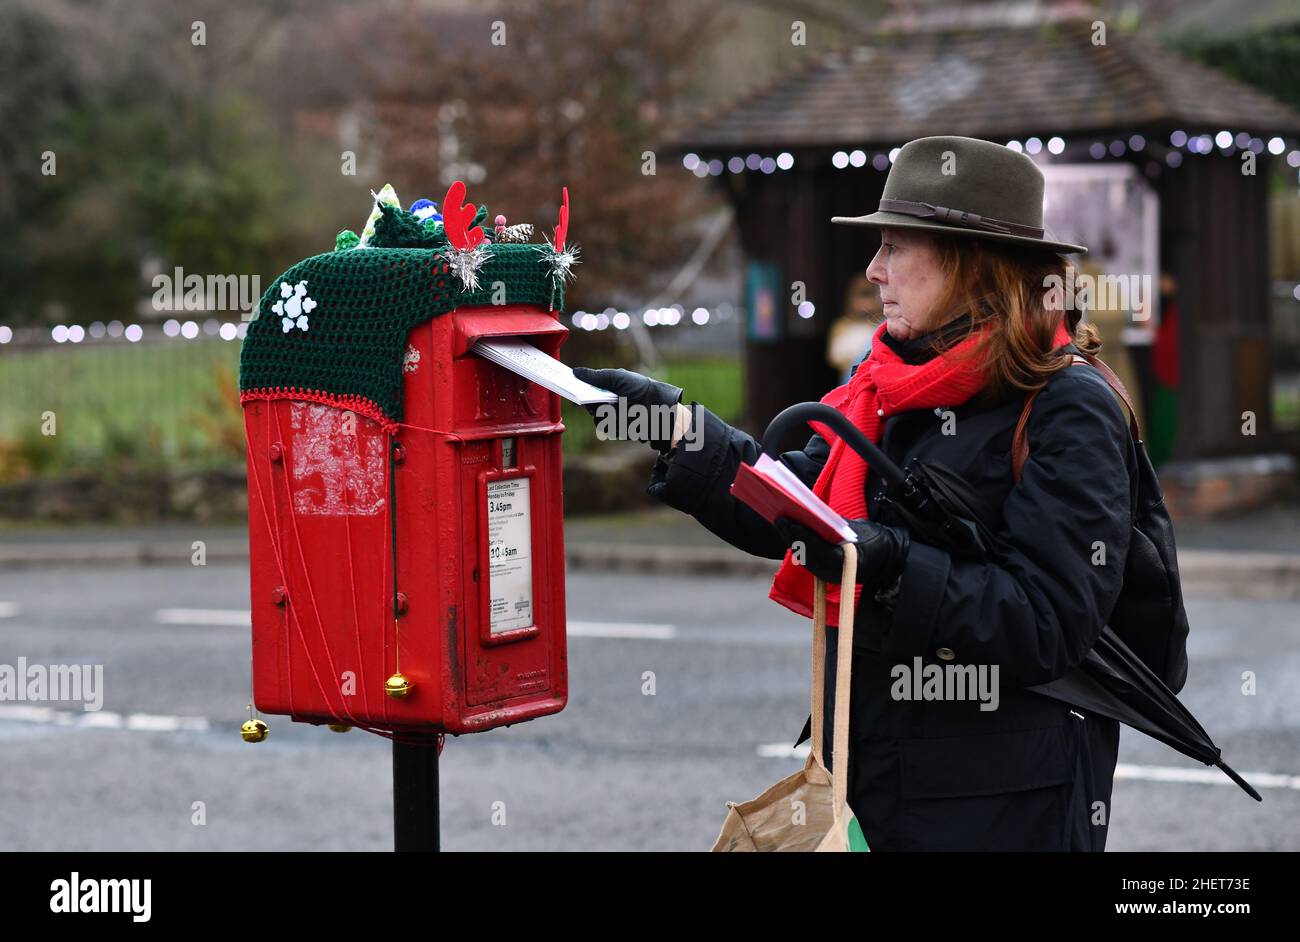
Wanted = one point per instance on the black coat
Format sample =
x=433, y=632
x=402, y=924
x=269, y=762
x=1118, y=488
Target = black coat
x=1032, y=774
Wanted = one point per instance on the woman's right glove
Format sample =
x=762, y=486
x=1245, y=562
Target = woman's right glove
x=659, y=399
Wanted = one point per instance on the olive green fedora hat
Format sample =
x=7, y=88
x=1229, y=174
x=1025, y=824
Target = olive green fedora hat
x=962, y=186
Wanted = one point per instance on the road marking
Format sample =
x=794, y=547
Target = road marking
x=242, y=618
x=1206, y=776
x=103, y=719
x=783, y=750
x=8, y=609
x=234, y=617
x=1142, y=773
x=617, y=629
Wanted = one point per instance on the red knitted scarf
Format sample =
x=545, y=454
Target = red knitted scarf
x=883, y=385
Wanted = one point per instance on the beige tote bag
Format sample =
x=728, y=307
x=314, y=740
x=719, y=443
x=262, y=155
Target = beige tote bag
x=809, y=810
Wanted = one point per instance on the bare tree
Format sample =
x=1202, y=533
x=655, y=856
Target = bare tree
x=543, y=95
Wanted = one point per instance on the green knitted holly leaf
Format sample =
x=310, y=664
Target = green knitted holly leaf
x=398, y=229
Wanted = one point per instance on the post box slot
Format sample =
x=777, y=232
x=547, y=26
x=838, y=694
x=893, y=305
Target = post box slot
x=543, y=330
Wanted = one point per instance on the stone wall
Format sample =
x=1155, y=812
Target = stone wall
x=609, y=479
x=612, y=478
x=1207, y=488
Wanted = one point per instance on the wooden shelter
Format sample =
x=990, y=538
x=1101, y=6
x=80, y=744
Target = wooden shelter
x=1014, y=79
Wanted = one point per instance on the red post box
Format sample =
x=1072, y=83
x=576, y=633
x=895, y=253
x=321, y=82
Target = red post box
x=429, y=546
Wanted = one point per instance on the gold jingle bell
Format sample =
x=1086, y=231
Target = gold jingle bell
x=253, y=731
x=397, y=687
x=339, y=728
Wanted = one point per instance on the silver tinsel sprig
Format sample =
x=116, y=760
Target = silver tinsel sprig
x=560, y=263
x=466, y=263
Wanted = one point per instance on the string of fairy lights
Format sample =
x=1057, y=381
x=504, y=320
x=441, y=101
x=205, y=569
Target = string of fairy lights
x=1171, y=154
x=612, y=318
x=1180, y=146
x=128, y=333
x=1225, y=142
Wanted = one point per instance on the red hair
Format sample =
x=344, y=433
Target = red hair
x=1004, y=288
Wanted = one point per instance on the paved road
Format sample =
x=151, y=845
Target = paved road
x=616, y=770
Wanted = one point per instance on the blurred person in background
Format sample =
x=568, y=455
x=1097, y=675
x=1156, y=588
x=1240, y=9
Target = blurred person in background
x=970, y=328
x=849, y=339
x=1111, y=319
x=1162, y=420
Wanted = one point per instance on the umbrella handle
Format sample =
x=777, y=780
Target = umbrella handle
x=803, y=412
x=1245, y=785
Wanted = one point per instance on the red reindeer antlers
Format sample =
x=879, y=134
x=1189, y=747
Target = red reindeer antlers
x=456, y=217
x=562, y=225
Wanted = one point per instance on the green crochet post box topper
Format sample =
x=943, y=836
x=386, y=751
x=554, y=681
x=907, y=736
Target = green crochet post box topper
x=333, y=328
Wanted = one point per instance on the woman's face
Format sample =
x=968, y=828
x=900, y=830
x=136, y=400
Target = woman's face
x=907, y=271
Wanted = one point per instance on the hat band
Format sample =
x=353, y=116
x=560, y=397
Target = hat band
x=956, y=217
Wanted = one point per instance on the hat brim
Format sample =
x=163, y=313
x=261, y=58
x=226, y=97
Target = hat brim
x=882, y=220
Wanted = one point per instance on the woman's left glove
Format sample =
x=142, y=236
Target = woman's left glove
x=882, y=551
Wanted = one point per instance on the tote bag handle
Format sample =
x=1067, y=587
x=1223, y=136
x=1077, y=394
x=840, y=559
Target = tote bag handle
x=843, y=676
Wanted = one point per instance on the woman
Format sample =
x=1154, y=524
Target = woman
x=964, y=272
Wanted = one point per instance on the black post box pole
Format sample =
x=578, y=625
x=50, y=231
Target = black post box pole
x=415, y=794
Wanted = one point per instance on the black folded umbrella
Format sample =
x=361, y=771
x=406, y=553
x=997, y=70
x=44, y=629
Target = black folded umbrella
x=1113, y=681
x=940, y=509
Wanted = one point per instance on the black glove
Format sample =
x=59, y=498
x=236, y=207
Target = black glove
x=882, y=552
x=660, y=399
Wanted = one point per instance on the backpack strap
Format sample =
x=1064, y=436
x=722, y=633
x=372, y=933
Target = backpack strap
x=1020, y=443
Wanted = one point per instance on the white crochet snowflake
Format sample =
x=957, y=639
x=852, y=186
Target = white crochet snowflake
x=293, y=306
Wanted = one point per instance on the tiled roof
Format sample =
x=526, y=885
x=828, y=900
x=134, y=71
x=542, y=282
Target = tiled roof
x=1000, y=82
